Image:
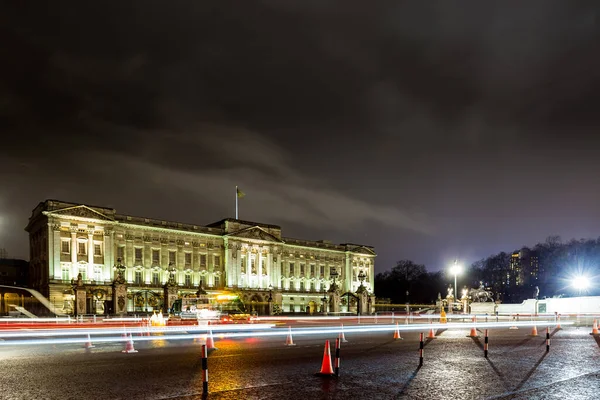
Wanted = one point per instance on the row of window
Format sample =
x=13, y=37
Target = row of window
x=303, y=287
x=155, y=257
x=82, y=248
x=312, y=269
x=137, y=277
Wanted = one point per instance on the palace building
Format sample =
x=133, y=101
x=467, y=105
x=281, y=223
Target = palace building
x=70, y=241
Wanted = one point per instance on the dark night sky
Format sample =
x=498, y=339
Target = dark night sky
x=427, y=130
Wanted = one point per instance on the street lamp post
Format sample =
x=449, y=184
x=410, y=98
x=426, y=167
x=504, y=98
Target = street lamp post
x=324, y=301
x=334, y=302
x=361, y=278
x=270, y=299
x=456, y=269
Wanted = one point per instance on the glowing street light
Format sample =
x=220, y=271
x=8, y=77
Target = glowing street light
x=581, y=283
x=455, y=269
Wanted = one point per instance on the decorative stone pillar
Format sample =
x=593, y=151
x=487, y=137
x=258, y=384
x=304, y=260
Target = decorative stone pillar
x=334, y=298
x=80, y=297
x=363, y=300
x=450, y=301
x=170, y=290
x=120, y=290
x=334, y=302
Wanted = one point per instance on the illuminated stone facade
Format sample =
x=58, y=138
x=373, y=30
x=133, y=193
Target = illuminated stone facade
x=252, y=259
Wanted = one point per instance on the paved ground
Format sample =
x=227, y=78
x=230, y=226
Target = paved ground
x=373, y=366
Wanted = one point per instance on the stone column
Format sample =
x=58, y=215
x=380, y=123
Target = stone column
x=108, y=254
x=90, y=273
x=348, y=273
x=371, y=270
x=238, y=266
x=57, y=269
x=129, y=257
x=74, y=250
x=271, y=271
x=258, y=260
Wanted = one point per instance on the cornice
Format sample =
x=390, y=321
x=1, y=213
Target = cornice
x=166, y=230
x=224, y=237
x=313, y=248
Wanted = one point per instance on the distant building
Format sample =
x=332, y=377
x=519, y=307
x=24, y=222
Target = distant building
x=523, y=275
x=250, y=258
x=13, y=272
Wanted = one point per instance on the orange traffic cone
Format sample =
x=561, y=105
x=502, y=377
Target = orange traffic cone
x=289, y=341
x=129, y=346
x=342, y=336
x=397, y=333
x=431, y=334
x=534, y=331
x=88, y=344
x=326, y=368
x=595, y=328
x=210, y=341
x=473, y=332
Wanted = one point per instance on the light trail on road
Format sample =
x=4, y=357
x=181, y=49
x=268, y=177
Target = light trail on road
x=255, y=333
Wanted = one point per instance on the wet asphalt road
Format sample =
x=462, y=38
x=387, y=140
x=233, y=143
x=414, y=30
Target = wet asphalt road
x=373, y=366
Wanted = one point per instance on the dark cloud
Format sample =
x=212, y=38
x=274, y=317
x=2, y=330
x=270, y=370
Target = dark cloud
x=428, y=130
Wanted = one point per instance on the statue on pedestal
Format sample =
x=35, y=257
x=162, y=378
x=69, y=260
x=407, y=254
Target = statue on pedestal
x=450, y=291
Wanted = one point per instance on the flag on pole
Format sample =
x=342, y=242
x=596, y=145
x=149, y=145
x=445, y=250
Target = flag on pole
x=238, y=195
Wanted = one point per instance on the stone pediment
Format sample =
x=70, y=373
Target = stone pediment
x=362, y=250
x=255, y=233
x=83, y=212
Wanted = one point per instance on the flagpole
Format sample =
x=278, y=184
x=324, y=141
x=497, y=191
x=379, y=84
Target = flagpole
x=236, y=202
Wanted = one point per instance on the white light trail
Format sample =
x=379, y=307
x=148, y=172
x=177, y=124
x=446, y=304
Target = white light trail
x=274, y=332
x=132, y=330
